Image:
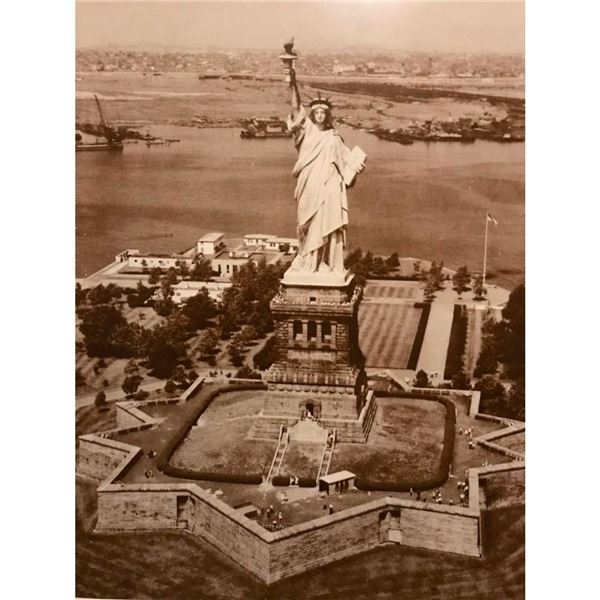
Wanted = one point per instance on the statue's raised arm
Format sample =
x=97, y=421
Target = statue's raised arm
x=288, y=58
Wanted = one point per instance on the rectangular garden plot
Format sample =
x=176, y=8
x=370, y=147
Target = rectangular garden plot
x=387, y=333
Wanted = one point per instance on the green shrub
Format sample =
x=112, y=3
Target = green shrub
x=418, y=343
x=456, y=346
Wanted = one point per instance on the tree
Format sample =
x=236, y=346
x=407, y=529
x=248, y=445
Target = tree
x=247, y=373
x=202, y=270
x=199, y=309
x=132, y=368
x=421, y=380
x=429, y=290
x=176, y=328
x=144, y=293
x=510, y=334
x=235, y=349
x=378, y=266
x=182, y=268
x=208, y=341
x=179, y=376
x=170, y=276
x=133, y=300
x=170, y=387
x=487, y=361
x=144, y=265
x=98, y=327
x=166, y=288
x=141, y=395
x=80, y=295
x=436, y=275
x=248, y=334
x=100, y=400
x=479, y=291
x=460, y=381
x=417, y=269
x=285, y=247
x=393, y=260
x=162, y=359
x=516, y=400
x=99, y=295
x=461, y=280
x=353, y=258
x=164, y=308
x=489, y=387
x=131, y=384
x=155, y=274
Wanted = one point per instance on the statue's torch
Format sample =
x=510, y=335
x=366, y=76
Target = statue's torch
x=288, y=58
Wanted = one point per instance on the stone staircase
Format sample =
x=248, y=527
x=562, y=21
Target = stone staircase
x=327, y=454
x=279, y=454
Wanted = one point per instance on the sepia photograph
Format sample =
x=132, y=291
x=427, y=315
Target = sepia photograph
x=299, y=311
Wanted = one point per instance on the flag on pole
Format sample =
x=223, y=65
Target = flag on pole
x=491, y=219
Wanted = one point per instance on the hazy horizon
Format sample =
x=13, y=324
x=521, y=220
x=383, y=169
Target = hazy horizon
x=445, y=27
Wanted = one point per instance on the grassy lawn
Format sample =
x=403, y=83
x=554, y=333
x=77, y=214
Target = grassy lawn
x=405, y=442
x=218, y=445
x=302, y=459
x=89, y=420
x=177, y=566
x=387, y=332
x=113, y=373
x=505, y=489
x=513, y=441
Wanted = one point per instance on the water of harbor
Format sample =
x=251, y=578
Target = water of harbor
x=426, y=200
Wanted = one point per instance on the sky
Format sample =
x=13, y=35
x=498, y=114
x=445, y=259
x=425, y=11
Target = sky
x=427, y=26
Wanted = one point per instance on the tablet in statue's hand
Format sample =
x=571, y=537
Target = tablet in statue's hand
x=354, y=164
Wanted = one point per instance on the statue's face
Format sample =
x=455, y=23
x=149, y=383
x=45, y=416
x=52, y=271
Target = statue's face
x=320, y=115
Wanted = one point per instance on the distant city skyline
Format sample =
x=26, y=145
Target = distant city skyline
x=461, y=27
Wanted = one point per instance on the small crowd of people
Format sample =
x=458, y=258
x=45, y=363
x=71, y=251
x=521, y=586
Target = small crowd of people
x=463, y=490
x=469, y=434
x=273, y=519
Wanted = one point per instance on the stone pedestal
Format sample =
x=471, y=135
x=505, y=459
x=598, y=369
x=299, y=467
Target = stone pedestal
x=319, y=368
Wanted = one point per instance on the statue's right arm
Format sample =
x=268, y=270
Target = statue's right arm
x=294, y=95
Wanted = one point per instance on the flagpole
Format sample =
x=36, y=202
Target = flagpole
x=487, y=222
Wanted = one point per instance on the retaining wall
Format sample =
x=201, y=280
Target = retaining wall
x=273, y=556
x=98, y=457
x=129, y=415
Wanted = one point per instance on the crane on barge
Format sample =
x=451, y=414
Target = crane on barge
x=113, y=139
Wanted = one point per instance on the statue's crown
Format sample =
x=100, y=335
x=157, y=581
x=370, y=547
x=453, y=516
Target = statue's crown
x=320, y=102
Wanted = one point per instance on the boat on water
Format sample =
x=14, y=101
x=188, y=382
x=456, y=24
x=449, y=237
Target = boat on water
x=258, y=128
x=95, y=146
x=392, y=135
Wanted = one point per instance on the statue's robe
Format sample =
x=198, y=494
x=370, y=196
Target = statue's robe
x=320, y=194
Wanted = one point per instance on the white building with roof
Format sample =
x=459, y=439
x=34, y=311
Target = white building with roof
x=184, y=290
x=210, y=243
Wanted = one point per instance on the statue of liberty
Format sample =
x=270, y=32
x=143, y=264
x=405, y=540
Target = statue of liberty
x=325, y=169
